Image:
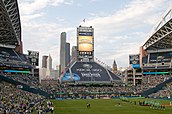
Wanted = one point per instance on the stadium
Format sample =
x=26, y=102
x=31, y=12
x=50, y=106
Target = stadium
x=85, y=85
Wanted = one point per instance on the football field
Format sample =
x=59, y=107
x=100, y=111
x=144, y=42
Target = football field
x=109, y=106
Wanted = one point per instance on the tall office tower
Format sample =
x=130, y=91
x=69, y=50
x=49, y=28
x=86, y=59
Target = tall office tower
x=49, y=62
x=85, y=44
x=74, y=53
x=67, y=53
x=114, y=67
x=62, y=50
x=44, y=61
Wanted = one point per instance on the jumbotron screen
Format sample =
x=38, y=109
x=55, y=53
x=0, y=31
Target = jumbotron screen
x=33, y=57
x=85, y=41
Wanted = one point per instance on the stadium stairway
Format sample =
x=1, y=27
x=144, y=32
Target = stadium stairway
x=156, y=88
x=25, y=87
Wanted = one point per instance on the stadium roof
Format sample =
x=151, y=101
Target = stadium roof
x=10, y=26
x=161, y=37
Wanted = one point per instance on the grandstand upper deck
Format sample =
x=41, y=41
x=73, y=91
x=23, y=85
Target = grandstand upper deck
x=10, y=26
x=10, y=58
x=161, y=37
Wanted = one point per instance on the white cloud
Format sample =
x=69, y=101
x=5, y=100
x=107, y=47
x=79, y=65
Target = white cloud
x=60, y=19
x=43, y=37
x=27, y=7
x=27, y=18
x=70, y=2
x=55, y=2
x=116, y=35
x=133, y=17
x=30, y=7
x=93, y=1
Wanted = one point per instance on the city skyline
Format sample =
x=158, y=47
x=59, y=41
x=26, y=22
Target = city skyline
x=121, y=27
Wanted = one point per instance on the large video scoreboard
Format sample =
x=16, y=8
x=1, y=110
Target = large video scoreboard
x=85, y=42
x=134, y=60
x=33, y=57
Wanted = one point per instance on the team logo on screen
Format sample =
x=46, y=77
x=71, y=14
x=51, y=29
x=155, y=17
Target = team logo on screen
x=134, y=59
x=87, y=66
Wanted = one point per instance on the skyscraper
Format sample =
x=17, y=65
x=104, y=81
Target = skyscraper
x=47, y=73
x=74, y=52
x=67, y=53
x=62, y=50
x=49, y=62
x=44, y=61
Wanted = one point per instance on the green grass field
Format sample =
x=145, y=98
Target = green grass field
x=107, y=106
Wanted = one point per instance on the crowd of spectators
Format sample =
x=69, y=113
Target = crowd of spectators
x=92, y=91
x=166, y=92
x=150, y=81
x=89, y=89
x=16, y=101
x=23, y=78
x=10, y=57
x=30, y=80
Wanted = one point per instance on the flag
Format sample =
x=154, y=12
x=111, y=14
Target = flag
x=84, y=20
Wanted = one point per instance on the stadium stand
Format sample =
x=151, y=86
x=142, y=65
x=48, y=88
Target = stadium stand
x=89, y=72
x=11, y=101
x=156, y=87
x=15, y=84
x=8, y=53
x=160, y=57
x=9, y=58
x=91, y=91
x=25, y=87
x=166, y=92
x=157, y=57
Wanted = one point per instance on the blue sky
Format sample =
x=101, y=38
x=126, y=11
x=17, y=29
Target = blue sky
x=121, y=26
